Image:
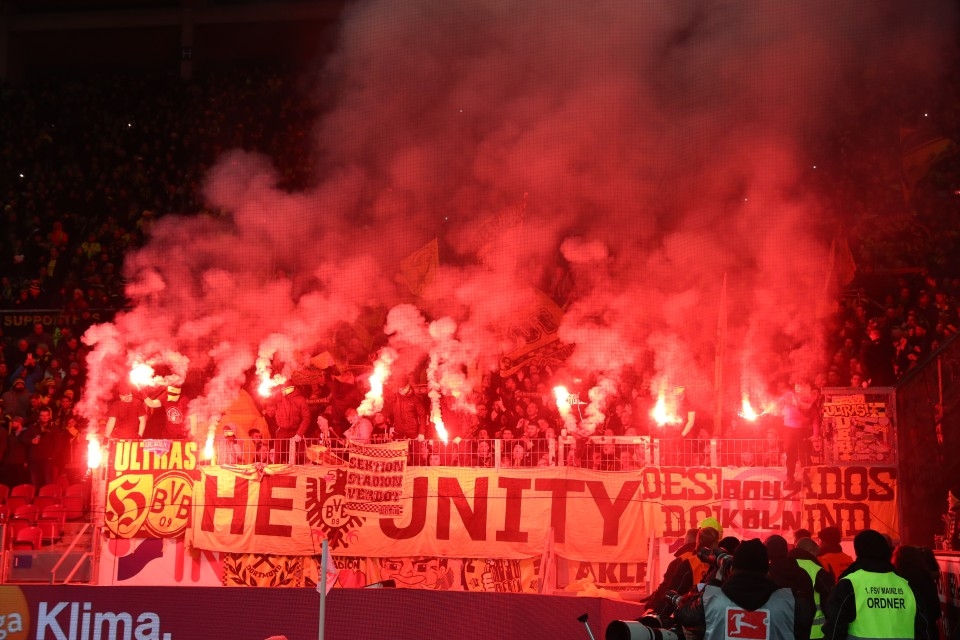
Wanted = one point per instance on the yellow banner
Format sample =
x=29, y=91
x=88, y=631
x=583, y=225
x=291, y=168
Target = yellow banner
x=260, y=570
x=595, y=516
x=150, y=488
x=491, y=575
x=375, y=479
x=452, y=512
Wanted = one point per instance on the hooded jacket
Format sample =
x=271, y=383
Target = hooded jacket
x=750, y=591
x=841, y=607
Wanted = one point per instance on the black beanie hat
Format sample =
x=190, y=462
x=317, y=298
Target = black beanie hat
x=729, y=544
x=830, y=535
x=751, y=555
x=776, y=546
x=871, y=545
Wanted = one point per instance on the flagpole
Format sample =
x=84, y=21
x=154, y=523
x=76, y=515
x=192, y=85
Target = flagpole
x=718, y=368
x=324, y=558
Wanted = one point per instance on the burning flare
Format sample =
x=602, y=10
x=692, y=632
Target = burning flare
x=94, y=454
x=141, y=374
x=565, y=408
x=373, y=401
x=563, y=399
x=268, y=381
x=268, y=384
x=661, y=413
x=747, y=412
x=438, y=424
x=208, y=449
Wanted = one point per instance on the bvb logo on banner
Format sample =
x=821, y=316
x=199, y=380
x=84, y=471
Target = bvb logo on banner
x=145, y=505
x=326, y=509
x=170, y=504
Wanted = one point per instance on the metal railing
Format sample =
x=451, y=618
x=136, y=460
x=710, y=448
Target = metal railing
x=602, y=453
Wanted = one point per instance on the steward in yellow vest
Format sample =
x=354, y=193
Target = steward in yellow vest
x=871, y=602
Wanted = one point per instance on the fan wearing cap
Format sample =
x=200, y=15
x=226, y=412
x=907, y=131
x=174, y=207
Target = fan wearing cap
x=871, y=600
x=690, y=572
x=747, y=605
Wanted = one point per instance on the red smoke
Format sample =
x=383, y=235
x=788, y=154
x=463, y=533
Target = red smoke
x=647, y=149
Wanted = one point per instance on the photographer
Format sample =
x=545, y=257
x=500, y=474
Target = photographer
x=688, y=574
x=679, y=557
x=748, y=601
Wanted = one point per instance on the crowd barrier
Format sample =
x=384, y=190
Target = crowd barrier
x=602, y=453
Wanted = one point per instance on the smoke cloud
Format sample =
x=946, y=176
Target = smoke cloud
x=648, y=152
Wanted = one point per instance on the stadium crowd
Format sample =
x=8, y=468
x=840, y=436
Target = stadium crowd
x=88, y=164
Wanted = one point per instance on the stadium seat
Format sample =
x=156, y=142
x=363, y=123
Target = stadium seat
x=28, y=538
x=75, y=501
x=4, y=492
x=13, y=502
x=52, y=521
x=27, y=491
x=56, y=511
x=27, y=512
x=53, y=489
x=79, y=489
x=42, y=502
x=14, y=526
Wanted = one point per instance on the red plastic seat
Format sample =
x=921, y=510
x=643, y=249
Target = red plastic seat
x=28, y=538
x=13, y=502
x=75, y=506
x=14, y=526
x=53, y=490
x=27, y=491
x=56, y=512
x=42, y=502
x=4, y=492
x=52, y=525
x=27, y=512
x=80, y=490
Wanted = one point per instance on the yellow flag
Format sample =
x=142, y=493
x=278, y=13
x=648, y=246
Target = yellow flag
x=419, y=268
x=919, y=152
